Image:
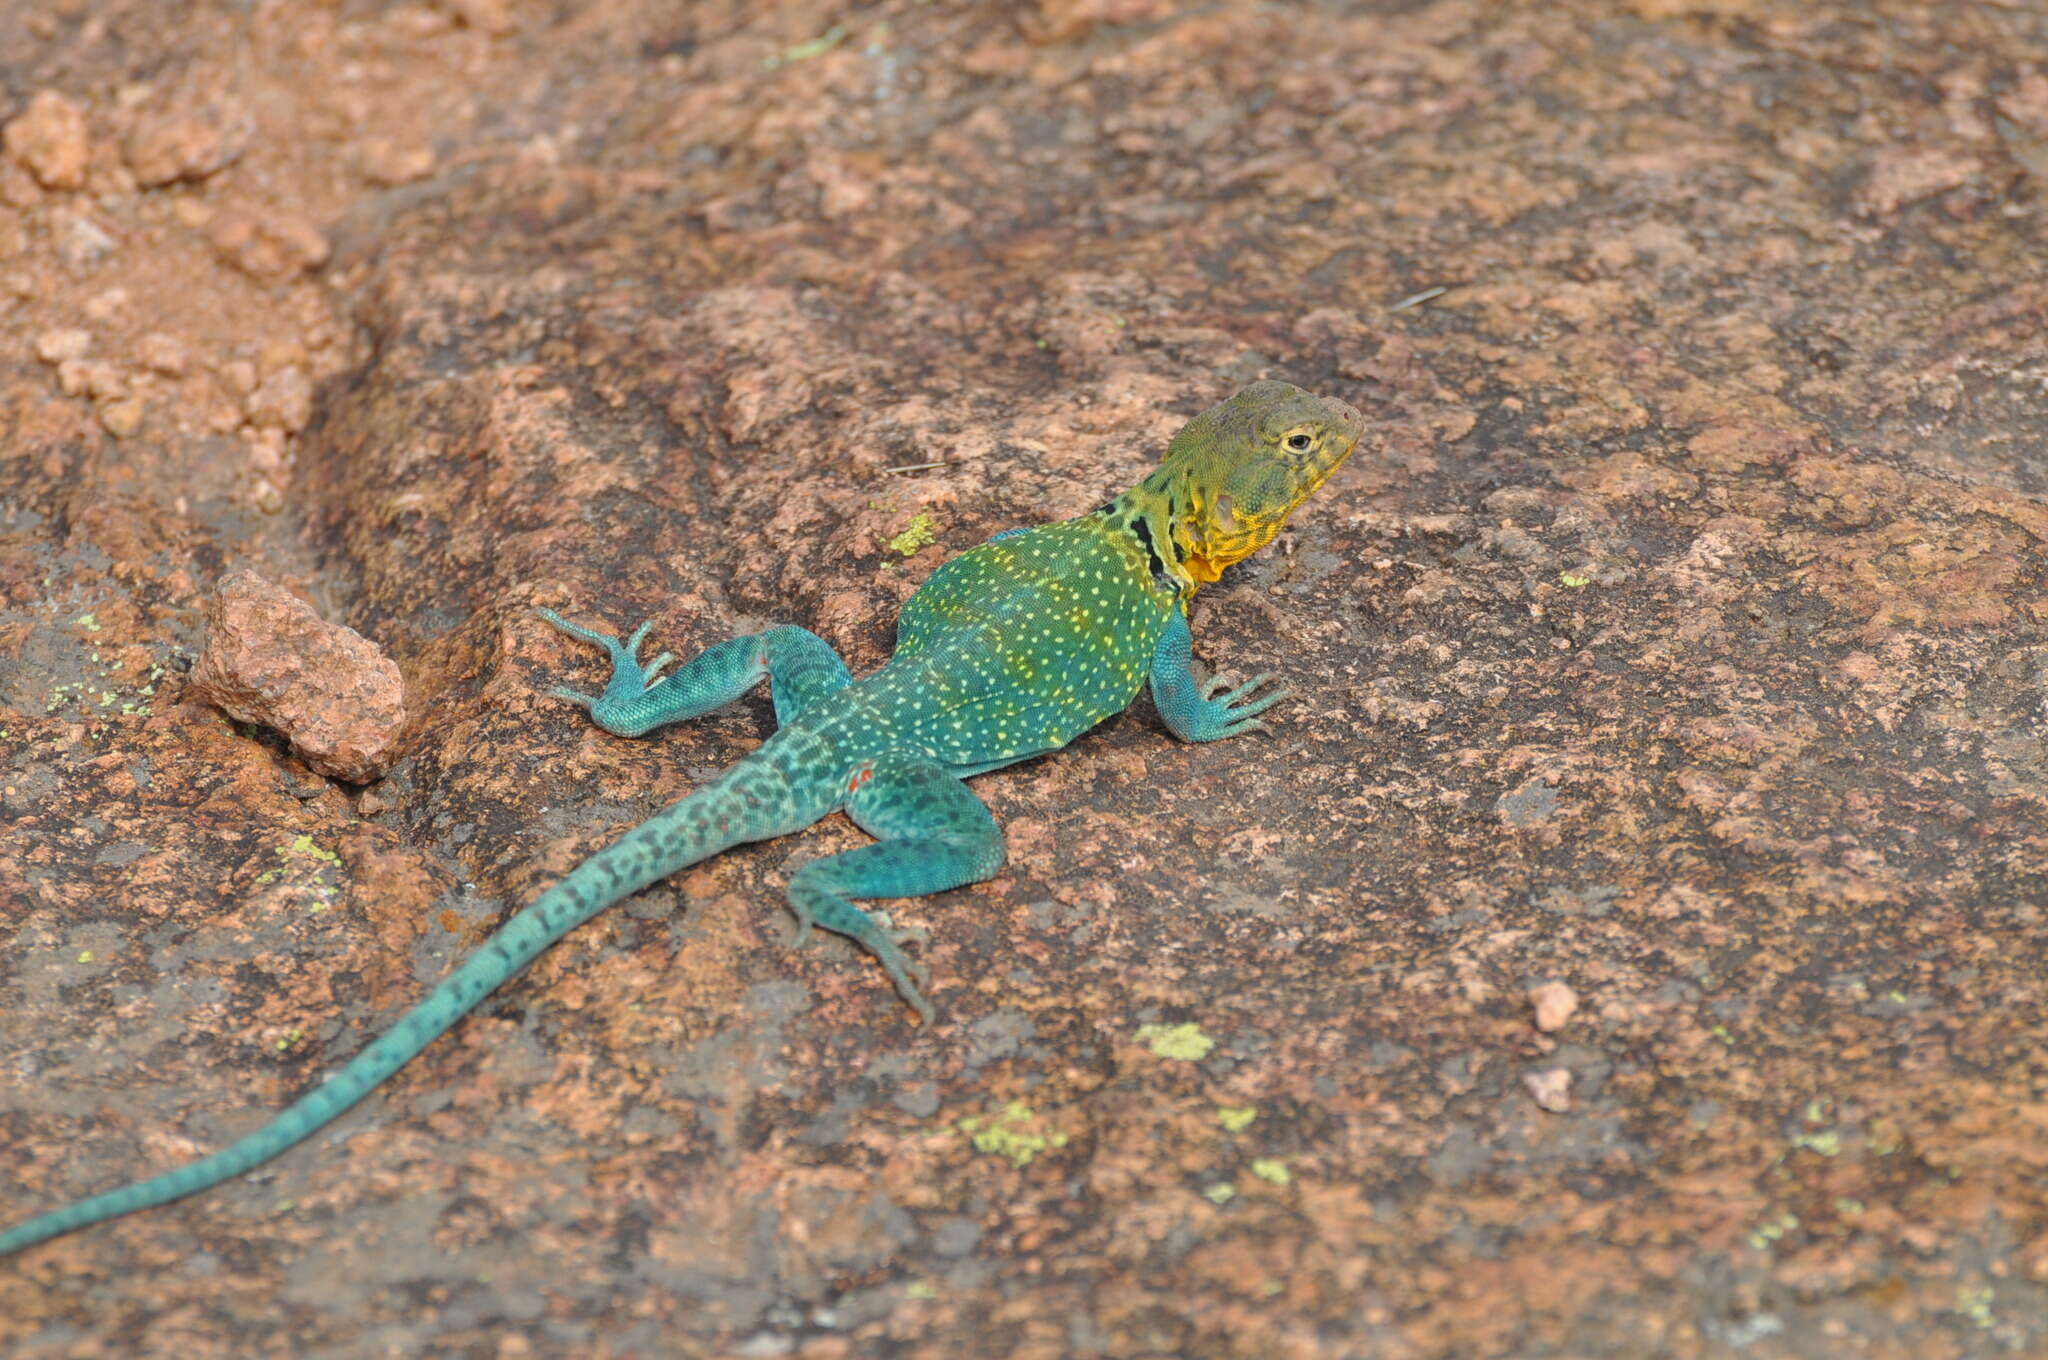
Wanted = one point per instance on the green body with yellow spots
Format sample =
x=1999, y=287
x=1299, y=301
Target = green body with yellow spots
x=1009, y=650
x=1022, y=644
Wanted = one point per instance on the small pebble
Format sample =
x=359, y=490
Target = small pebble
x=1551, y=1088
x=161, y=353
x=49, y=139
x=1555, y=1004
x=121, y=418
x=54, y=347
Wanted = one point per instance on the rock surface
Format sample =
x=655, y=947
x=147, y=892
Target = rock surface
x=1679, y=636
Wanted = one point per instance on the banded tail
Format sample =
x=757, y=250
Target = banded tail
x=720, y=815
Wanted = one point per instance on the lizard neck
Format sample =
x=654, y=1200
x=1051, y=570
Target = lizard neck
x=1158, y=515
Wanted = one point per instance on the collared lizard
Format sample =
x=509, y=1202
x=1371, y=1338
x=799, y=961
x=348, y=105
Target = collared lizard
x=1009, y=650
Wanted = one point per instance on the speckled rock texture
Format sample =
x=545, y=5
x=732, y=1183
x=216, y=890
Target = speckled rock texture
x=1678, y=636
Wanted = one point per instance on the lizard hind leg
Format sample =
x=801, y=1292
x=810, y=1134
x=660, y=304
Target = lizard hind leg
x=932, y=834
x=801, y=666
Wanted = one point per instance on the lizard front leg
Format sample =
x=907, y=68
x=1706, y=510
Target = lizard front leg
x=1197, y=712
x=801, y=666
x=931, y=835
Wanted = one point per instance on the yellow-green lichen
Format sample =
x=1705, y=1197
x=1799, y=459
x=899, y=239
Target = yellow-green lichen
x=1767, y=1233
x=917, y=534
x=1220, y=1193
x=302, y=859
x=1186, y=1042
x=1574, y=580
x=1005, y=1134
x=303, y=845
x=1272, y=1170
x=1973, y=1301
x=1826, y=1142
x=1236, y=1118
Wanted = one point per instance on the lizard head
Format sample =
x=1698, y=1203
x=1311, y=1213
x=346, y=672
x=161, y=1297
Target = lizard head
x=1235, y=472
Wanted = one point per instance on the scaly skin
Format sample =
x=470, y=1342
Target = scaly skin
x=1010, y=650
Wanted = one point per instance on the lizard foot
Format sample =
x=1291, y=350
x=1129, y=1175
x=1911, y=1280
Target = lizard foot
x=625, y=654
x=885, y=940
x=1236, y=712
x=874, y=932
x=630, y=704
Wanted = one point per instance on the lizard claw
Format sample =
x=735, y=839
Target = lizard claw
x=902, y=934
x=1225, y=712
x=916, y=968
x=910, y=975
x=573, y=696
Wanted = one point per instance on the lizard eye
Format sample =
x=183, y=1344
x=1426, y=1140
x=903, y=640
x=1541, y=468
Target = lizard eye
x=1299, y=442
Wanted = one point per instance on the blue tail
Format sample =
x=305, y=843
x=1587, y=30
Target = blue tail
x=742, y=805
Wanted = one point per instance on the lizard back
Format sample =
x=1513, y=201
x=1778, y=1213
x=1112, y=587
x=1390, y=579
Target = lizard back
x=1022, y=644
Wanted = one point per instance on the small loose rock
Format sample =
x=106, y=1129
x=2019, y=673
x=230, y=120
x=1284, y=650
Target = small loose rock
x=388, y=163
x=271, y=660
x=239, y=377
x=121, y=418
x=95, y=378
x=282, y=401
x=273, y=246
x=188, y=144
x=1555, y=1004
x=81, y=241
x=165, y=354
x=54, y=347
x=50, y=140
x=1551, y=1088
x=277, y=355
x=107, y=305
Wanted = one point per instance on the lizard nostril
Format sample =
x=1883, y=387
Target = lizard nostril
x=1347, y=415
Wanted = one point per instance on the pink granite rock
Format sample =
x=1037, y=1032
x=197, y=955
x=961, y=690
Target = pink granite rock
x=271, y=660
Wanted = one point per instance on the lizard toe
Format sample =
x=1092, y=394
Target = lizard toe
x=573, y=696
